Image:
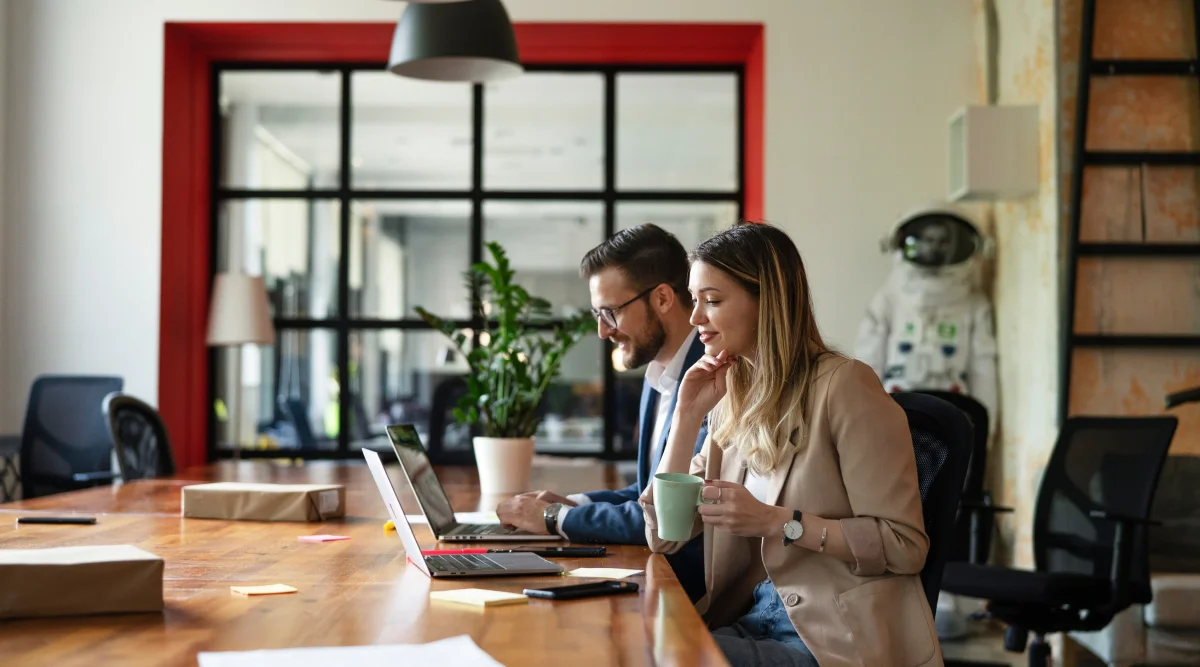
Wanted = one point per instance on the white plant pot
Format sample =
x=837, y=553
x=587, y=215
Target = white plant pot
x=504, y=464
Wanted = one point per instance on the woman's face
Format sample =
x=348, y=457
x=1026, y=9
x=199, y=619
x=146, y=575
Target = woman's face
x=725, y=314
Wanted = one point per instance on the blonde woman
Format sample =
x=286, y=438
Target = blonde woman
x=813, y=538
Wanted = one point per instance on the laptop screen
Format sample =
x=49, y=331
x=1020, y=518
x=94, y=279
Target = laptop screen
x=430, y=494
x=411, y=548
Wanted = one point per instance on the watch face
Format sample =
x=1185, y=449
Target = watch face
x=793, y=530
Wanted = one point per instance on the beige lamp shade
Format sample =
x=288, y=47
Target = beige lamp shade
x=239, y=312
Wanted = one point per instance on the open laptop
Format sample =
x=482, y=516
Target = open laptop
x=433, y=501
x=466, y=565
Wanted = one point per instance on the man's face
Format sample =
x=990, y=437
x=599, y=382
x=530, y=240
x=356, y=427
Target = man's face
x=639, y=332
x=935, y=244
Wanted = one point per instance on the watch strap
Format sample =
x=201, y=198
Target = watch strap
x=796, y=515
x=550, y=516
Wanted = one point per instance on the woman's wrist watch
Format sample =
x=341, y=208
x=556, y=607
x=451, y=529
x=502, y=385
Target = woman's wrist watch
x=793, y=529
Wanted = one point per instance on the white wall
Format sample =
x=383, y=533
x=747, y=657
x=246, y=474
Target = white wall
x=857, y=96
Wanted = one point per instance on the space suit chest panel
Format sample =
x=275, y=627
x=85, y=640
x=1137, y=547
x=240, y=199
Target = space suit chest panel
x=927, y=350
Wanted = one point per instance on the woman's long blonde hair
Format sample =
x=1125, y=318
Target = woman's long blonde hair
x=763, y=397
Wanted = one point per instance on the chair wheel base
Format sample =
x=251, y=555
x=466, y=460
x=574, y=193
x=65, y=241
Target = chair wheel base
x=1039, y=654
x=1015, y=639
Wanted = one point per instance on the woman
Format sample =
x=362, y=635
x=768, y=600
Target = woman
x=813, y=538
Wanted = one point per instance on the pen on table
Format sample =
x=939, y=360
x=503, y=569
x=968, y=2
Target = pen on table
x=458, y=552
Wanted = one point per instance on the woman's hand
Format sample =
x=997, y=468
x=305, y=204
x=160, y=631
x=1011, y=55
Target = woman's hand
x=646, y=500
x=703, y=386
x=730, y=506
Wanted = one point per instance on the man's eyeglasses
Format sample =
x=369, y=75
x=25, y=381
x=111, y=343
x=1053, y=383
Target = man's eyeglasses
x=609, y=315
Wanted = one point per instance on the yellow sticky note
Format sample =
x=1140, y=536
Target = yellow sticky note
x=273, y=589
x=603, y=572
x=479, y=597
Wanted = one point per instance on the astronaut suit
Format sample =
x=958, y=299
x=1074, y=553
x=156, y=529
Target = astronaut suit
x=930, y=326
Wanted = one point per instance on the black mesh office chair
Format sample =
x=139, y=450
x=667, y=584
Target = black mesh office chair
x=441, y=414
x=942, y=437
x=140, y=437
x=972, y=540
x=1089, y=534
x=65, y=443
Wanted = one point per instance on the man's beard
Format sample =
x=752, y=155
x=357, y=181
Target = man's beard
x=645, y=346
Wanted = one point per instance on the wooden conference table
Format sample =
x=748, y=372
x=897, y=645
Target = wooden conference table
x=351, y=593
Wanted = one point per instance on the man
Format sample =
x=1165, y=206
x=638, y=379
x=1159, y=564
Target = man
x=638, y=285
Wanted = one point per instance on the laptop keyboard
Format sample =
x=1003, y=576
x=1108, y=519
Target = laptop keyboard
x=485, y=529
x=463, y=563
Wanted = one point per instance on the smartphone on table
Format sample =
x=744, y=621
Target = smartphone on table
x=577, y=591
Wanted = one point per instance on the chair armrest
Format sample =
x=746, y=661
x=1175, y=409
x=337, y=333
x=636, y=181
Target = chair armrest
x=1122, y=518
x=982, y=507
x=975, y=547
x=1180, y=397
x=1123, y=533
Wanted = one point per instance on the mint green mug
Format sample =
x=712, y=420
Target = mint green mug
x=676, y=496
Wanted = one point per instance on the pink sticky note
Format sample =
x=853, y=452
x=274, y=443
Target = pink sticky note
x=323, y=538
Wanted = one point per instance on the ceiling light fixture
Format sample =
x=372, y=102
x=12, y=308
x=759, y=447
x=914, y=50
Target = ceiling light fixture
x=469, y=41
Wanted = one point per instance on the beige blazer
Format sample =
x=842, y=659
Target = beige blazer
x=855, y=463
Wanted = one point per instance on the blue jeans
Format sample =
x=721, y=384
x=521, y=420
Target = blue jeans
x=765, y=636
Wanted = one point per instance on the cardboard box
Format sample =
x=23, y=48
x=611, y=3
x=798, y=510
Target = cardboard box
x=71, y=581
x=240, y=501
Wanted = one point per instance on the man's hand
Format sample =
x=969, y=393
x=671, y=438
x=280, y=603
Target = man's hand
x=551, y=497
x=524, y=512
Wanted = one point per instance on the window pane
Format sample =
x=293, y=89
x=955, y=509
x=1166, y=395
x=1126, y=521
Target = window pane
x=402, y=377
x=677, y=132
x=405, y=254
x=281, y=130
x=573, y=407
x=544, y=131
x=690, y=222
x=545, y=242
x=289, y=393
x=292, y=243
x=409, y=134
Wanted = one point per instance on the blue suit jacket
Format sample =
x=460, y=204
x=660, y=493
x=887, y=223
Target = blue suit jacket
x=616, y=517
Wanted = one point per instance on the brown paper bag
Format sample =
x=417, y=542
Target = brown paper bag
x=240, y=501
x=69, y=581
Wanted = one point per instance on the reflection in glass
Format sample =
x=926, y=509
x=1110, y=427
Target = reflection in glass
x=544, y=131
x=690, y=222
x=677, y=132
x=405, y=254
x=545, y=242
x=293, y=243
x=289, y=393
x=411, y=134
x=405, y=377
x=280, y=130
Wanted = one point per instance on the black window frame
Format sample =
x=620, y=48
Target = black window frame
x=343, y=325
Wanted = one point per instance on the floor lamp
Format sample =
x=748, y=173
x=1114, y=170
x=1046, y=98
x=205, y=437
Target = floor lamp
x=239, y=314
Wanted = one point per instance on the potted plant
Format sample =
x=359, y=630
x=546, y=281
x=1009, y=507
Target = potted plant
x=515, y=358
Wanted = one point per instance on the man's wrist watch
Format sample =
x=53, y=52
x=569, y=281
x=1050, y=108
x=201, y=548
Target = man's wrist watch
x=550, y=515
x=793, y=529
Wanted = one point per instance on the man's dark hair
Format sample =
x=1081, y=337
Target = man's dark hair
x=648, y=255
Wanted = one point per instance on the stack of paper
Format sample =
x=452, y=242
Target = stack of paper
x=453, y=652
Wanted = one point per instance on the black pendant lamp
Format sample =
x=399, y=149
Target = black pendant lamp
x=469, y=40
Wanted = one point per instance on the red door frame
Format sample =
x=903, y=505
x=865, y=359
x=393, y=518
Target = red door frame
x=192, y=48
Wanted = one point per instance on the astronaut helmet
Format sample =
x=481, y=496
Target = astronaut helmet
x=937, y=237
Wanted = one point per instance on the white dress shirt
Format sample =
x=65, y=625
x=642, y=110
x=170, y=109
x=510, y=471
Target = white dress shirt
x=663, y=378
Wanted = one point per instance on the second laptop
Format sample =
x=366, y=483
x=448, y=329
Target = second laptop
x=435, y=505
